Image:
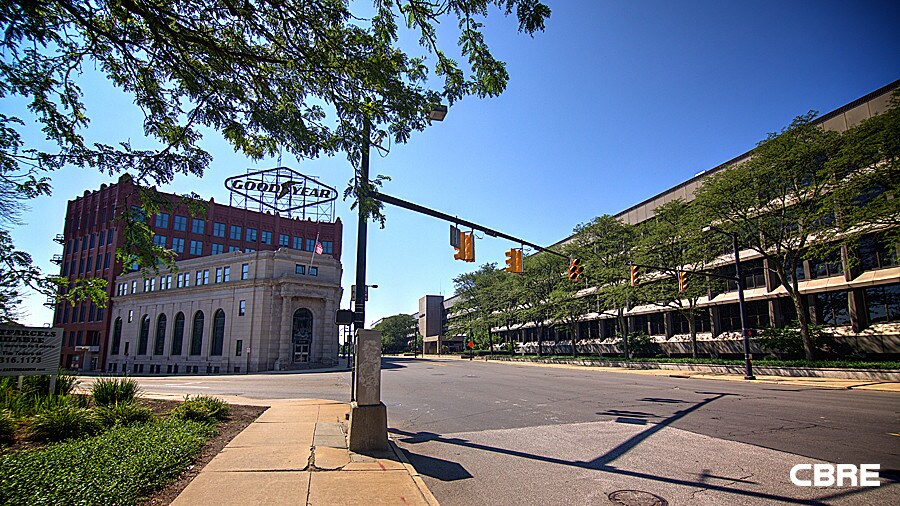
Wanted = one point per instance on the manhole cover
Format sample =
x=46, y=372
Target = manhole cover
x=637, y=498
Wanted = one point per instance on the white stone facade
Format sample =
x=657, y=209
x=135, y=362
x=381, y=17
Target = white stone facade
x=259, y=311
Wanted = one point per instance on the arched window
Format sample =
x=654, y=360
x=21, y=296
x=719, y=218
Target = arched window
x=197, y=333
x=301, y=334
x=159, y=343
x=144, y=335
x=218, y=337
x=117, y=336
x=178, y=334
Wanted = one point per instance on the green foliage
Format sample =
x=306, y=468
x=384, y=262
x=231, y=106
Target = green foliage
x=7, y=427
x=787, y=342
x=60, y=420
x=117, y=467
x=124, y=413
x=836, y=364
x=395, y=331
x=112, y=391
x=34, y=394
x=640, y=344
x=202, y=408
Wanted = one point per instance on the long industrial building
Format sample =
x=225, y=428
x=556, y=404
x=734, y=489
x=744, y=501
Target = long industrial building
x=859, y=302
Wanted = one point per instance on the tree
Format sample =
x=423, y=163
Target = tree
x=778, y=201
x=395, y=332
x=542, y=273
x=477, y=311
x=606, y=245
x=309, y=76
x=673, y=241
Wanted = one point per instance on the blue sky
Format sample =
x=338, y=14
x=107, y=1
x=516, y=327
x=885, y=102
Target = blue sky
x=614, y=103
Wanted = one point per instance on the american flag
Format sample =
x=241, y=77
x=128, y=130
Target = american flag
x=319, y=248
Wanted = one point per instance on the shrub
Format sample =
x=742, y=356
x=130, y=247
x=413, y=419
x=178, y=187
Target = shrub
x=202, y=408
x=126, y=413
x=7, y=427
x=787, y=343
x=61, y=419
x=117, y=467
x=112, y=391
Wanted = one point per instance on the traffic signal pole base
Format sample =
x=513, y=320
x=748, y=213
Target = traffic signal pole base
x=368, y=428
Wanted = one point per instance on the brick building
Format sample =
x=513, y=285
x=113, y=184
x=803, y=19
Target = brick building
x=92, y=232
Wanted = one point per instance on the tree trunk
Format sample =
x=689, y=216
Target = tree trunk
x=624, y=330
x=803, y=318
x=540, y=340
x=573, y=329
x=692, y=327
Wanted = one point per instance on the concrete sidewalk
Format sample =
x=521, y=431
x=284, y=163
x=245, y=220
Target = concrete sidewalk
x=843, y=384
x=296, y=453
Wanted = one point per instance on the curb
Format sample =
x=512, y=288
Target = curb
x=420, y=483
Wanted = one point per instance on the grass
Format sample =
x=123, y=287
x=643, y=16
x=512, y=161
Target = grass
x=202, y=408
x=837, y=364
x=112, y=391
x=119, y=466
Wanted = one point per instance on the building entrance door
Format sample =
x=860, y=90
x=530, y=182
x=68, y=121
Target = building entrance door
x=301, y=335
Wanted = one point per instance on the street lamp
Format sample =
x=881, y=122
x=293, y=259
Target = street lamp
x=739, y=275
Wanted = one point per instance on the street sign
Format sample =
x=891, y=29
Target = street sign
x=353, y=293
x=343, y=317
x=471, y=345
x=26, y=351
x=454, y=237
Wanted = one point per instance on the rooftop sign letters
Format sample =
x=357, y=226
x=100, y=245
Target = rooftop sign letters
x=281, y=189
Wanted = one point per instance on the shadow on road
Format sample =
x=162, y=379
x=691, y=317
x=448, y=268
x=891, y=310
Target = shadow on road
x=602, y=463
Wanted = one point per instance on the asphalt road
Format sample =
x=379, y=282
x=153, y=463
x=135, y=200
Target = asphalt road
x=503, y=433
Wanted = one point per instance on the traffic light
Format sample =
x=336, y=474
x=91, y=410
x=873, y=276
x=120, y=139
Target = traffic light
x=576, y=270
x=634, y=274
x=514, y=261
x=466, y=249
x=682, y=281
x=460, y=246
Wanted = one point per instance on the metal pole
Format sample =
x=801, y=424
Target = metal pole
x=748, y=366
x=359, y=311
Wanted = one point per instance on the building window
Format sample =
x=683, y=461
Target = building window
x=250, y=250
x=130, y=315
x=89, y=262
x=196, y=248
x=177, y=334
x=205, y=276
x=159, y=240
x=232, y=249
x=84, y=243
x=147, y=285
x=883, y=303
x=284, y=240
x=242, y=308
x=235, y=233
x=238, y=347
x=328, y=247
x=91, y=312
x=197, y=226
x=876, y=253
x=218, y=249
x=109, y=236
x=178, y=245
x=116, y=337
x=299, y=269
x=81, y=266
x=265, y=237
x=313, y=271
x=92, y=241
x=218, y=337
x=830, y=266
x=162, y=220
x=199, y=279
x=218, y=274
x=144, y=335
x=310, y=244
x=101, y=238
x=834, y=308
x=106, y=258
x=226, y=276
x=245, y=271
x=159, y=343
x=298, y=243
x=98, y=263
x=219, y=229
x=197, y=334
x=180, y=223
x=167, y=279
x=251, y=235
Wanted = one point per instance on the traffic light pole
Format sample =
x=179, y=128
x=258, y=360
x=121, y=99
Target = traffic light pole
x=387, y=199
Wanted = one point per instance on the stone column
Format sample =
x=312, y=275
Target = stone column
x=368, y=415
x=284, y=335
x=669, y=323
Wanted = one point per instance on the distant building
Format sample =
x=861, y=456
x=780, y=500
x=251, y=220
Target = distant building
x=92, y=233
x=235, y=312
x=432, y=316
